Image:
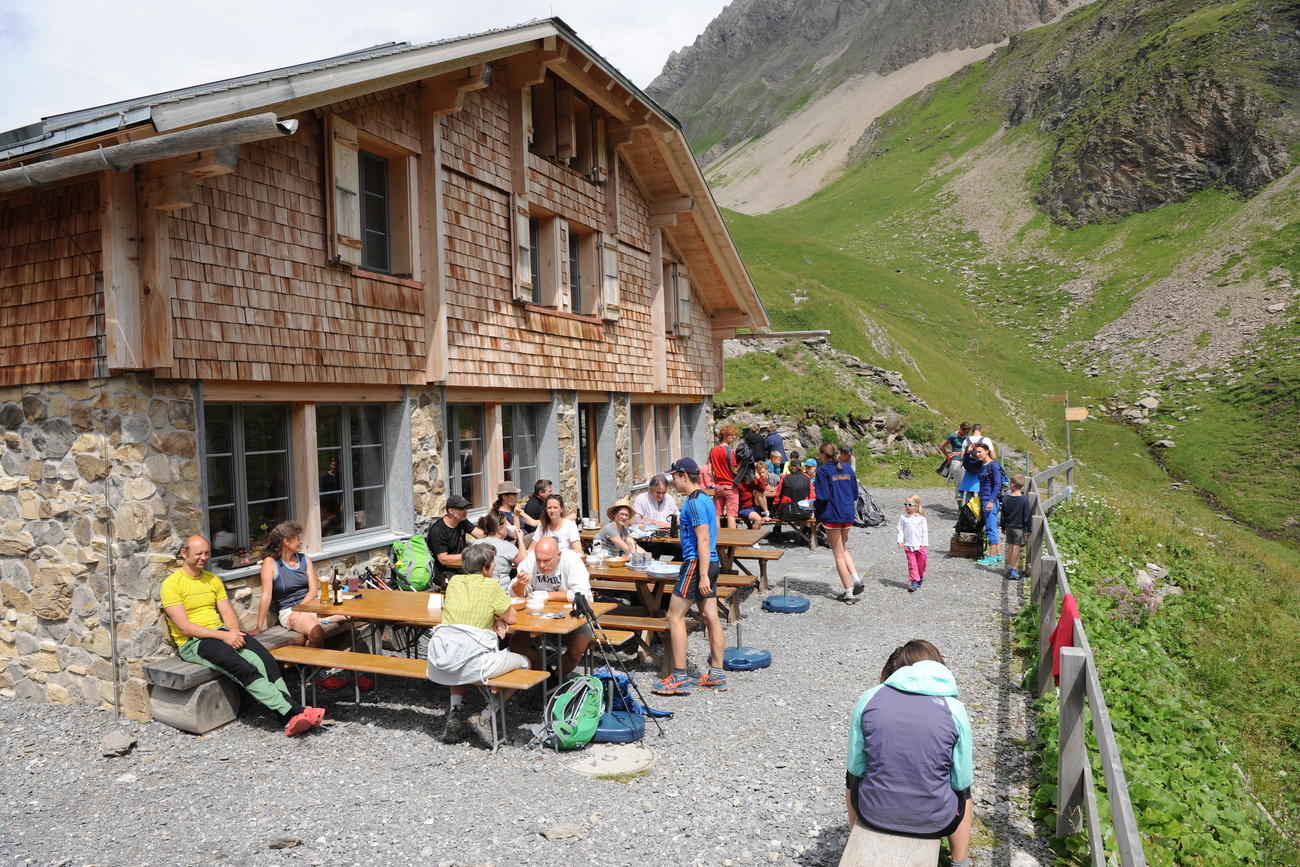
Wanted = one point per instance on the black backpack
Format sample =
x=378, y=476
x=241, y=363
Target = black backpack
x=745, y=472
x=867, y=513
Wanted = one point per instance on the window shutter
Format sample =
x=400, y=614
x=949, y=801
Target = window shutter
x=607, y=253
x=524, y=275
x=346, y=213
x=599, y=156
x=565, y=134
x=527, y=103
x=682, y=285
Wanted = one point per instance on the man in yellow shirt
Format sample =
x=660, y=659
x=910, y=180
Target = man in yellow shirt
x=206, y=631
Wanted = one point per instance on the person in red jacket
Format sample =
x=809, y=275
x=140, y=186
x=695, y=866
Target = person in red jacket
x=722, y=466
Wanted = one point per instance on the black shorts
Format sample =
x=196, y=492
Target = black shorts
x=963, y=797
x=1015, y=536
x=688, y=581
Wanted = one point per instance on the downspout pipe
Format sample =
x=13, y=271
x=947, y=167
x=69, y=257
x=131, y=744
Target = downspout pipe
x=121, y=157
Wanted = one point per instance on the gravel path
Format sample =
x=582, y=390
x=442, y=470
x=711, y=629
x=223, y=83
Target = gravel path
x=752, y=775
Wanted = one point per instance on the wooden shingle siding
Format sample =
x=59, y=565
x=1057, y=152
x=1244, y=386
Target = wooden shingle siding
x=633, y=214
x=565, y=192
x=254, y=297
x=392, y=115
x=51, y=325
x=476, y=139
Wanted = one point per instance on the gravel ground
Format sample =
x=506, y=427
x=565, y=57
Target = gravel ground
x=751, y=775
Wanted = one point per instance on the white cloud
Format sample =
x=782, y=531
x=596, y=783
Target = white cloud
x=63, y=55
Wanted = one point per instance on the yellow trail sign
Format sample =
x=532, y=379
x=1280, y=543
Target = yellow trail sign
x=1076, y=413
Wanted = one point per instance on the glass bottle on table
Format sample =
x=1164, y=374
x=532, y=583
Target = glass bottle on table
x=335, y=585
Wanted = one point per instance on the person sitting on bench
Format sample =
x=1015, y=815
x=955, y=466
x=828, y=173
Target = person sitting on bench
x=206, y=631
x=909, y=758
x=563, y=575
x=463, y=648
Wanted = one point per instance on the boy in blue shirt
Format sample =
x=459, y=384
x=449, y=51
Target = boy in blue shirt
x=696, y=582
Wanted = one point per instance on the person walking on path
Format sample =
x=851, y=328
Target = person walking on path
x=835, y=508
x=953, y=448
x=1015, y=522
x=991, y=478
x=914, y=539
x=206, y=631
x=696, y=582
x=910, y=758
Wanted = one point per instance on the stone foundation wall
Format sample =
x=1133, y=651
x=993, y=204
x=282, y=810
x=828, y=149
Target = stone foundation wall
x=429, y=454
x=621, y=409
x=80, y=463
x=566, y=403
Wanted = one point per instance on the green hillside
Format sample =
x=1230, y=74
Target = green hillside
x=933, y=256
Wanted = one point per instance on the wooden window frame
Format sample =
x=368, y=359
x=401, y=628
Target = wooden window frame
x=344, y=144
x=347, y=492
x=590, y=300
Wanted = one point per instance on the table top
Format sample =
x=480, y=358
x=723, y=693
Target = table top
x=405, y=606
x=728, y=537
x=632, y=576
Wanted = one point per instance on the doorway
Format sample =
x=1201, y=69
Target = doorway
x=588, y=483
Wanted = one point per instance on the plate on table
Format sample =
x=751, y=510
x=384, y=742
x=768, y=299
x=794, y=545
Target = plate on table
x=658, y=568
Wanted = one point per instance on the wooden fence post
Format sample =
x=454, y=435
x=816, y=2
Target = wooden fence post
x=1072, y=756
x=1047, y=621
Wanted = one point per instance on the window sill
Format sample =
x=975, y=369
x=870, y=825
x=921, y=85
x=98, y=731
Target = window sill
x=592, y=318
x=338, y=546
x=388, y=278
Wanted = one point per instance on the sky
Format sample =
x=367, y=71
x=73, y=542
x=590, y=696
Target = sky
x=63, y=55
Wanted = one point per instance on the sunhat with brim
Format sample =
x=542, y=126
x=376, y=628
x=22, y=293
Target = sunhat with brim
x=624, y=503
x=507, y=488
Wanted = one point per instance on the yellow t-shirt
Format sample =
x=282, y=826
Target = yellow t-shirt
x=473, y=600
x=199, y=596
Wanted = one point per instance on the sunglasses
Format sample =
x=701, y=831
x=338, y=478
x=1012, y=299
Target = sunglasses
x=910, y=506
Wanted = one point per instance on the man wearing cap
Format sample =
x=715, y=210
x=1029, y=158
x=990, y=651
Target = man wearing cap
x=447, y=539
x=696, y=582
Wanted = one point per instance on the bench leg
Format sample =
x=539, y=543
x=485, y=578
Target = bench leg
x=498, y=717
x=762, y=575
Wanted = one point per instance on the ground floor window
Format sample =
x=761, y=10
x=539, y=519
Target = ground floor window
x=246, y=447
x=664, y=437
x=519, y=429
x=352, y=467
x=465, y=447
x=639, y=475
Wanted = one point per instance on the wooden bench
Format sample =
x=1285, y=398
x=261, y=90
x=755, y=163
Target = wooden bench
x=868, y=848
x=197, y=699
x=762, y=556
x=806, y=530
x=726, y=592
x=312, y=658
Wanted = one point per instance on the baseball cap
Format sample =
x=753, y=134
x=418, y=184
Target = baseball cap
x=456, y=501
x=684, y=465
x=810, y=462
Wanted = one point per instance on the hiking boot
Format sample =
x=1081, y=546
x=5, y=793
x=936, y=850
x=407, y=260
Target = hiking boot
x=708, y=681
x=858, y=587
x=454, y=730
x=480, y=727
x=673, y=686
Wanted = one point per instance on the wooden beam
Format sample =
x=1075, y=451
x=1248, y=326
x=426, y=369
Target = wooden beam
x=433, y=255
x=173, y=191
x=156, y=288
x=119, y=240
x=662, y=221
x=729, y=319
x=321, y=392
x=672, y=206
x=658, y=314
x=447, y=95
x=204, y=164
x=593, y=89
x=306, y=474
x=530, y=69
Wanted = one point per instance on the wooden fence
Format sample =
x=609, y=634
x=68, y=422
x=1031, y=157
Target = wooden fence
x=1080, y=690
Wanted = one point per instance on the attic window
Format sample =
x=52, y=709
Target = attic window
x=567, y=129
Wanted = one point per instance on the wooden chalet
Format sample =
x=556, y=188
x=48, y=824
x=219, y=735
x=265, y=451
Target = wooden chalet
x=335, y=292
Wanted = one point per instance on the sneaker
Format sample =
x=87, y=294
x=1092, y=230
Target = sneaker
x=673, y=686
x=707, y=681
x=1013, y=574
x=912, y=585
x=454, y=730
x=988, y=561
x=480, y=727
x=299, y=724
x=846, y=596
x=858, y=587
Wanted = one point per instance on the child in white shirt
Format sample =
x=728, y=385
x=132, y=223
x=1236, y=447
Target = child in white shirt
x=914, y=539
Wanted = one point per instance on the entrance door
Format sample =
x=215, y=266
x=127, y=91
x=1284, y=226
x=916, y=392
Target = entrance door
x=588, y=436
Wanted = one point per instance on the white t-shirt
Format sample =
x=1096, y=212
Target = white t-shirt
x=975, y=439
x=565, y=536
x=570, y=574
x=645, y=507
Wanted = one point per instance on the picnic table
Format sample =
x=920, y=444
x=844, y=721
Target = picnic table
x=412, y=608
x=651, y=588
x=729, y=539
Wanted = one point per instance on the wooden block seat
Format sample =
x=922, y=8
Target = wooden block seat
x=868, y=848
x=198, y=699
x=402, y=666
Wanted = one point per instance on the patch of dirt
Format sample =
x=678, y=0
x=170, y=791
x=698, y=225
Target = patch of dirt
x=988, y=194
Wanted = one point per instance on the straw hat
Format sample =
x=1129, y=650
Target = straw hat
x=624, y=503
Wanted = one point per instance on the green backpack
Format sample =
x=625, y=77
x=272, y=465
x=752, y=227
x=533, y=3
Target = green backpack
x=573, y=713
x=412, y=564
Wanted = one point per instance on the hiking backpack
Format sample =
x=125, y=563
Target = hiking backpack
x=412, y=564
x=745, y=472
x=866, y=512
x=573, y=714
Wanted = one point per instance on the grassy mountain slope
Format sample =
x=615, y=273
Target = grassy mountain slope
x=930, y=256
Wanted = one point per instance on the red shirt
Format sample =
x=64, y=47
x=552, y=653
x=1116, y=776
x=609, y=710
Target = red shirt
x=722, y=462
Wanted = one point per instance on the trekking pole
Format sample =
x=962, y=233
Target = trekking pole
x=584, y=609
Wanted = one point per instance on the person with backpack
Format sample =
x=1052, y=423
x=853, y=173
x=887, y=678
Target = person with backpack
x=755, y=440
x=993, y=482
x=836, y=508
x=464, y=649
x=910, y=768
x=723, y=466
x=696, y=583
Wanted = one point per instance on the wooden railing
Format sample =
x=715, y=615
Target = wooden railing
x=1080, y=690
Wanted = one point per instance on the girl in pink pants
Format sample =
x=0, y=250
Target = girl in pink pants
x=914, y=539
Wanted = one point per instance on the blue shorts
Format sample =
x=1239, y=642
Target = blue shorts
x=747, y=511
x=688, y=581
x=991, y=521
